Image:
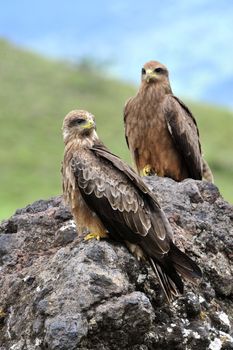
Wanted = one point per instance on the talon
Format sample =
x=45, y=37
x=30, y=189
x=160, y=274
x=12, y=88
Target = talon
x=148, y=170
x=95, y=236
x=2, y=313
x=91, y=236
x=203, y=315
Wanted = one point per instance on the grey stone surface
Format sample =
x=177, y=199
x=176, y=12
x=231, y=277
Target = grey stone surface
x=60, y=292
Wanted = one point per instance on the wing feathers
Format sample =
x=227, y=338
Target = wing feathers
x=130, y=211
x=116, y=185
x=112, y=188
x=183, y=129
x=186, y=266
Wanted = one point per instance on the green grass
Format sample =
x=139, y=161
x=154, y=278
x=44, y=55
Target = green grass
x=216, y=130
x=36, y=93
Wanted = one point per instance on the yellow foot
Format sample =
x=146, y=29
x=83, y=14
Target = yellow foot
x=203, y=315
x=2, y=313
x=148, y=170
x=95, y=236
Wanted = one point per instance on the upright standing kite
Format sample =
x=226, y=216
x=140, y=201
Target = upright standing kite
x=160, y=130
x=107, y=197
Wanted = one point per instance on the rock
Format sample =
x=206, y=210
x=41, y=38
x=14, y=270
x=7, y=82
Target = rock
x=192, y=305
x=60, y=292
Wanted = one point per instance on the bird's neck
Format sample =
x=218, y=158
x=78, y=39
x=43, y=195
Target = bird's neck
x=76, y=142
x=154, y=90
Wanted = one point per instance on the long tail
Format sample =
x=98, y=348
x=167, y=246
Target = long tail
x=168, y=270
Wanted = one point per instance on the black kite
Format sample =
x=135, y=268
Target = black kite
x=160, y=130
x=107, y=197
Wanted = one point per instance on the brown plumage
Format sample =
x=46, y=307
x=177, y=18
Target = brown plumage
x=108, y=197
x=160, y=130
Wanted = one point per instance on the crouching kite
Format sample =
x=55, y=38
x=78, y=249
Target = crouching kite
x=107, y=197
x=160, y=130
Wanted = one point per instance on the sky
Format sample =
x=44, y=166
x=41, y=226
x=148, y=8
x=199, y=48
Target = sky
x=193, y=38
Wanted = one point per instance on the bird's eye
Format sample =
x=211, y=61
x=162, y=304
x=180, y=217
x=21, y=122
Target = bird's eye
x=75, y=122
x=143, y=71
x=80, y=121
x=158, y=70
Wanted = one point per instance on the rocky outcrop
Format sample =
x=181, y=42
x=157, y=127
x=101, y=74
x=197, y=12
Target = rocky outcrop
x=59, y=292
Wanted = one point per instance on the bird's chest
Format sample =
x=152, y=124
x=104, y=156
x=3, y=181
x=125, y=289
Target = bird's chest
x=154, y=144
x=152, y=128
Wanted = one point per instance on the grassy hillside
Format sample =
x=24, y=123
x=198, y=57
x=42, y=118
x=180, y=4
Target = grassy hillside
x=36, y=94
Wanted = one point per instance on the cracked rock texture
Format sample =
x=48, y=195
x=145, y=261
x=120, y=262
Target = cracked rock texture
x=59, y=292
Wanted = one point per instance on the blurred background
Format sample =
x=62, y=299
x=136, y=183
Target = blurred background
x=56, y=56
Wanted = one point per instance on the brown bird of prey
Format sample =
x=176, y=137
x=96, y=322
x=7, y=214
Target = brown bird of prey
x=108, y=198
x=160, y=130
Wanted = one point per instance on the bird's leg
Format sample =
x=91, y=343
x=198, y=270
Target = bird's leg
x=96, y=235
x=93, y=228
x=148, y=170
x=135, y=250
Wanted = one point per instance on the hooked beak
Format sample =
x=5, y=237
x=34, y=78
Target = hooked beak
x=150, y=75
x=90, y=124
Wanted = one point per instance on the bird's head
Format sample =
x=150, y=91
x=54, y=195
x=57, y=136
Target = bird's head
x=154, y=71
x=79, y=124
